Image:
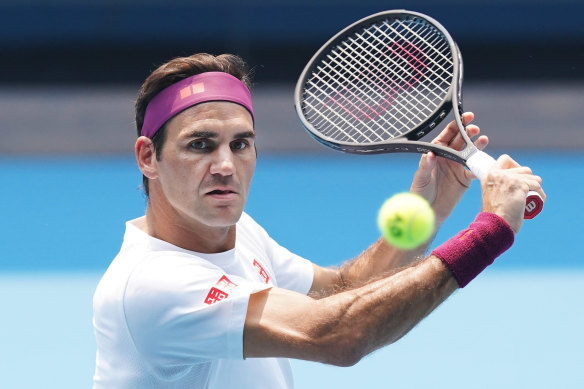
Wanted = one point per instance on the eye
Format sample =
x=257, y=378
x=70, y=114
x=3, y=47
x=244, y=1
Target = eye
x=200, y=144
x=239, y=144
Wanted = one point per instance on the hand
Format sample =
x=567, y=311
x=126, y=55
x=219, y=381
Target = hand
x=505, y=188
x=441, y=181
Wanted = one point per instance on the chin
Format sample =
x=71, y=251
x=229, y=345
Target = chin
x=227, y=219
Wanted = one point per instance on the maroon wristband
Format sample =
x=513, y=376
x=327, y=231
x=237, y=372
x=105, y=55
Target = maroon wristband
x=472, y=250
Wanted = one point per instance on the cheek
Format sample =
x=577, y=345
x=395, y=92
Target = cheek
x=181, y=177
x=249, y=169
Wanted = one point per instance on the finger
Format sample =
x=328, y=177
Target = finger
x=532, y=181
x=519, y=170
x=427, y=162
x=506, y=162
x=472, y=130
x=447, y=134
x=450, y=136
x=451, y=130
x=482, y=142
x=458, y=142
x=535, y=185
x=423, y=175
x=467, y=117
x=541, y=193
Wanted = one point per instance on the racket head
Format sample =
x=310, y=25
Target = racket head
x=366, y=89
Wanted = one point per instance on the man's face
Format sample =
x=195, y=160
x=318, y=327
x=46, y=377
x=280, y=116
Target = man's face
x=207, y=163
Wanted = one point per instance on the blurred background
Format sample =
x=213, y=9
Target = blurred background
x=69, y=75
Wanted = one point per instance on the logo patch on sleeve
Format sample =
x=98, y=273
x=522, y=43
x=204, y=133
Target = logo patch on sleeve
x=225, y=284
x=220, y=290
x=261, y=270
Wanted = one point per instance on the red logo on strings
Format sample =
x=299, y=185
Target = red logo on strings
x=219, y=291
x=261, y=270
x=409, y=64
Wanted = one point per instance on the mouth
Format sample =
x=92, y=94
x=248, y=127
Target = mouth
x=223, y=195
x=221, y=192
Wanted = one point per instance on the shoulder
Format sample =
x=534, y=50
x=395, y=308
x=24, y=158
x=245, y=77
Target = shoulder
x=166, y=271
x=251, y=234
x=247, y=222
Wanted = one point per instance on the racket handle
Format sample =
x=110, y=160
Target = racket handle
x=533, y=205
x=480, y=162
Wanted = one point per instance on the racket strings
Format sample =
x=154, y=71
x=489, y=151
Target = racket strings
x=383, y=90
x=403, y=84
x=406, y=80
x=341, y=61
x=380, y=82
x=404, y=71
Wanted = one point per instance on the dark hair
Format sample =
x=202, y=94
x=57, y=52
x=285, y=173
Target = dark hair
x=176, y=70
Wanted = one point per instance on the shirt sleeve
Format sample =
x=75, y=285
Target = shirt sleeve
x=181, y=311
x=292, y=271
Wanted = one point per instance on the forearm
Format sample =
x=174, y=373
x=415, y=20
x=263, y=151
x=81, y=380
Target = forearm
x=387, y=309
x=342, y=328
x=378, y=261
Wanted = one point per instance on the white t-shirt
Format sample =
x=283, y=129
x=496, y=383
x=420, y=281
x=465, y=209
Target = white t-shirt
x=166, y=317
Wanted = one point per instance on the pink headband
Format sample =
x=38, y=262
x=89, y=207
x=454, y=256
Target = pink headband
x=210, y=86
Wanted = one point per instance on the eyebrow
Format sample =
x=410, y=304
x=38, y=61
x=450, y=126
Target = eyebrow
x=245, y=134
x=213, y=134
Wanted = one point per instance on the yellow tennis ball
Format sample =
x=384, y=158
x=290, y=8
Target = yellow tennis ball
x=406, y=220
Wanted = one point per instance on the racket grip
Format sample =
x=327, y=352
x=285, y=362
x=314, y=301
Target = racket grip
x=479, y=164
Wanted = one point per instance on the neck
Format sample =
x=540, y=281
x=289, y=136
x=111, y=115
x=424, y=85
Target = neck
x=166, y=224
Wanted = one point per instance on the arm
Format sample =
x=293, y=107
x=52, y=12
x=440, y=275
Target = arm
x=346, y=326
x=440, y=181
x=342, y=328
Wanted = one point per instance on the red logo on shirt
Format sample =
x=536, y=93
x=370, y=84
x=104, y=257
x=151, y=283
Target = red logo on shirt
x=219, y=291
x=215, y=295
x=261, y=270
x=225, y=284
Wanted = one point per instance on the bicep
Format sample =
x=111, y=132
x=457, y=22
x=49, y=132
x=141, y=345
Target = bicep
x=282, y=323
x=273, y=324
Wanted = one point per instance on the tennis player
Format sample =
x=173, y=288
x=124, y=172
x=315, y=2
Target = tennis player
x=200, y=296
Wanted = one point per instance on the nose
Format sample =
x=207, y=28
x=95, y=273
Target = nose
x=222, y=162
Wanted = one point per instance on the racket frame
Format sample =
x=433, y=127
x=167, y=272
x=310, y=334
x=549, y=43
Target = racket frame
x=408, y=142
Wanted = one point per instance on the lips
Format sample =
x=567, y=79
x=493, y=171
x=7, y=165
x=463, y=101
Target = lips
x=220, y=192
x=223, y=194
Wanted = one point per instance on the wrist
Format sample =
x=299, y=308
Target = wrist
x=469, y=252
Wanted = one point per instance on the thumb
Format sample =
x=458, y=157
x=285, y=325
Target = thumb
x=423, y=175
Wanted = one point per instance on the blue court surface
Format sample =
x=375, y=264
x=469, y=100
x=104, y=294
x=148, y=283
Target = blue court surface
x=519, y=325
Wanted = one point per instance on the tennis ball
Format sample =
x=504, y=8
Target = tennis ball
x=406, y=220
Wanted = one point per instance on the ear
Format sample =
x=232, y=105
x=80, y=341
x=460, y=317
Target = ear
x=146, y=157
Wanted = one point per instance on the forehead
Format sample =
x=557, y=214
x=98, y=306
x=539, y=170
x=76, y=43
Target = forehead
x=213, y=115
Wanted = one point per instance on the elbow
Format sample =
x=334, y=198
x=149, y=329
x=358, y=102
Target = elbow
x=351, y=358
x=345, y=352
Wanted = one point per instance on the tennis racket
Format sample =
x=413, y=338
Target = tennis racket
x=384, y=82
